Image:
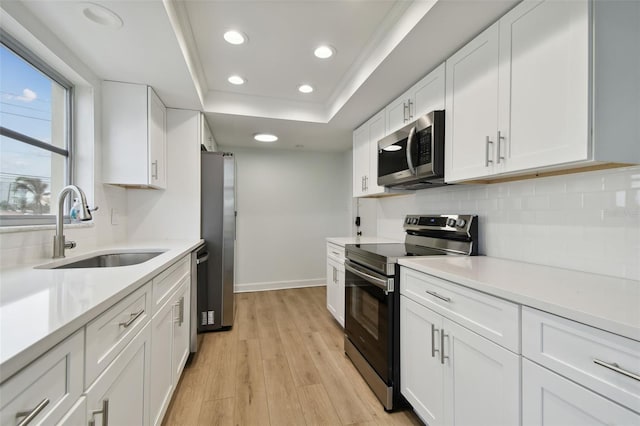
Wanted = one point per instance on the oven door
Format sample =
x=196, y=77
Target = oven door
x=368, y=311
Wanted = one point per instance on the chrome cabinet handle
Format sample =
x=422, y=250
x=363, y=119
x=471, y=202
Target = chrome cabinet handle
x=335, y=253
x=410, y=113
x=615, y=367
x=442, y=355
x=154, y=166
x=362, y=183
x=434, y=330
x=405, y=115
x=180, y=305
x=412, y=133
x=130, y=321
x=433, y=293
x=30, y=415
x=500, y=138
x=104, y=412
x=487, y=160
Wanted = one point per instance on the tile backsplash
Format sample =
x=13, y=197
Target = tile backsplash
x=584, y=221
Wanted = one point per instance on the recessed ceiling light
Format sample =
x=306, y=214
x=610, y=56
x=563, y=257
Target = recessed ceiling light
x=101, y=15
x=324, y=52
x=235, y=37
x=305, y=88
x=236, y=79
x=392, y=148
x=265, y=137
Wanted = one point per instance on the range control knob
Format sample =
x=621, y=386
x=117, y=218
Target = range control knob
x=461, y=223
x=414, y=220
x=451, y=222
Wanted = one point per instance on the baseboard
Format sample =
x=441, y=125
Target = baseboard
x=279, y=285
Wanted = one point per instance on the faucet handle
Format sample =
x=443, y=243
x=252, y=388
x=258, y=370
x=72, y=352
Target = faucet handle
x=70, y=244
x=93, y=209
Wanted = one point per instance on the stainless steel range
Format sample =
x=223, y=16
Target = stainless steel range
x=372, y=295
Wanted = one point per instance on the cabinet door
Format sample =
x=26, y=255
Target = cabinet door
x=377, y=128
x=181, y=308
x=550, y=399
x=360, y=159
x=397, y=113
x=340, y=296
x=544, y=84
x=482, y=380
x=428, y=93
x=421, y=372
x=161, y=367
x=471, y=120
x=124, y=385
x=157, y=141
x=332, y=288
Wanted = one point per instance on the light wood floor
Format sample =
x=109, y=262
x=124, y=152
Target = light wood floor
x=282, y=363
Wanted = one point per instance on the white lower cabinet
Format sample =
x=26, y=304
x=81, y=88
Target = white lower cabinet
x=169, y=349
x=550, y=399
x=77, y=414
x=120, y=395
x=451, y=375
x=335, y=281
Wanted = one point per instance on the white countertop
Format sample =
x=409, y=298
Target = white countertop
x=608, y=303
x=41, y=307
x=342, y=241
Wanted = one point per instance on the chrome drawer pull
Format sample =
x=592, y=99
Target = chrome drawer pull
x=487, y=160
x=434, y=294
x=30, y=415
x=134, y=317
x=615, y=367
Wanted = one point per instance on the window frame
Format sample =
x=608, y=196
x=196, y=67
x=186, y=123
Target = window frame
x=39, y=64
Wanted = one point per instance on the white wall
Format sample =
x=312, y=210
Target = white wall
x=37, y=243
x=288, y=202
x=586, y=221
x=172, y=213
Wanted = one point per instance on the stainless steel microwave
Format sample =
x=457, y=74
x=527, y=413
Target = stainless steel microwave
x=413, y=156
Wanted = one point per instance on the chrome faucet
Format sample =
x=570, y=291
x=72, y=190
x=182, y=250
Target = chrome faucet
x=84, y=214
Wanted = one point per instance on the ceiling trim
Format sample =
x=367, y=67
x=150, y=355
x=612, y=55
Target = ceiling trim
x=179, y=21
x=403, y=17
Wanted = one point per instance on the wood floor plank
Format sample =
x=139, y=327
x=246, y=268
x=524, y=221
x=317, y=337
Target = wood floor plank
x=223, y=356
x=348, y=404
x=250, y=397
x=303, y=370
x=270, y=343
x=187, y=401
x=247, y=322
x=218, y=412
x=317, y=407
x=284, y=408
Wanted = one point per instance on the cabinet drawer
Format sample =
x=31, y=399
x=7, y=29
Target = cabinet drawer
x=335, y=252
x=108, y=334
x=166, y=282
x=49, y=386
x=572, y=349
x=491, y=317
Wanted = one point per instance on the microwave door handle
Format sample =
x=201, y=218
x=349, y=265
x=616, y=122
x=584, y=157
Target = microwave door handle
x=412, y=133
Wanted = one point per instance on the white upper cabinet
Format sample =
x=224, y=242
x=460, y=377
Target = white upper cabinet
x=471, y=118
x=134, y=136
x=206, y=137
x=423, y=97
x=545, y=88
x=365, y=156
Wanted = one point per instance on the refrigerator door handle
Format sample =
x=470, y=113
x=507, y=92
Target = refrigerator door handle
x=202, y=259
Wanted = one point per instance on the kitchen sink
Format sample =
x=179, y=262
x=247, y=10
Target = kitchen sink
x=106, y=260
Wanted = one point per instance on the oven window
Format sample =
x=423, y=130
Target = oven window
x=364, y=309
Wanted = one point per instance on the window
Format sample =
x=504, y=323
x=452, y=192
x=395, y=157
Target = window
x=35, y=136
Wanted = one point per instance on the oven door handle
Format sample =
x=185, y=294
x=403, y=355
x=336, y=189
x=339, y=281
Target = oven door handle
x=378, y=282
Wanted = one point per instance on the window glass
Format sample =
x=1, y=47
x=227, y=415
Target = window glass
x=34, y=137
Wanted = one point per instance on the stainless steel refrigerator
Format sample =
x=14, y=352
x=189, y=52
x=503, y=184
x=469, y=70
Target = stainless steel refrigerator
x=218, y=227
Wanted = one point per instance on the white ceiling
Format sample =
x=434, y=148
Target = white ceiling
x=176, y=46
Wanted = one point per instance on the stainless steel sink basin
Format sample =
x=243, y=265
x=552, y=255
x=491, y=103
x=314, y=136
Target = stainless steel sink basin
x=110, y=260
